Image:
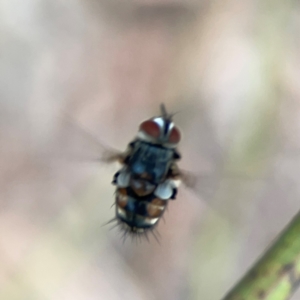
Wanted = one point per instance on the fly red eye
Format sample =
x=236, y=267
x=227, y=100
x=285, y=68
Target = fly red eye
x=174, y=136
x=151, y=128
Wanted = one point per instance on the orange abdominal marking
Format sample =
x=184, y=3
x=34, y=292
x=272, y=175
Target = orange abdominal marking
x=156, y=208
x=122, y=198
x=158, y=202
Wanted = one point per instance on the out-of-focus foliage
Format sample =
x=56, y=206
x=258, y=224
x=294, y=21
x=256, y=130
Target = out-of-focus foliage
x=276, y=274
x=231, y=71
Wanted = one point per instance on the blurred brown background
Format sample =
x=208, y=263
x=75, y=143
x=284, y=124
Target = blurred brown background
x=231, y=69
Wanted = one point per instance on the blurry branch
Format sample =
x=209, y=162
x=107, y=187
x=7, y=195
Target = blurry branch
x=252, y=150
x=276, y=276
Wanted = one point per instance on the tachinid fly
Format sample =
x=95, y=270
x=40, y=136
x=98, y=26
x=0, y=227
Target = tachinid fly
x=149, y=176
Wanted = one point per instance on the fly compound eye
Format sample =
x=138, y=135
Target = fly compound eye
x=150, y=128
x=174, y=136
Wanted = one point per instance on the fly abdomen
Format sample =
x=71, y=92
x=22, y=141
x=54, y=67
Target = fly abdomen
x=138, y=212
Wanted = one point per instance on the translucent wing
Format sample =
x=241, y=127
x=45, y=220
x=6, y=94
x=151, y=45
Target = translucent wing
x=73, y=142
x=203, y=185
x=219, y=189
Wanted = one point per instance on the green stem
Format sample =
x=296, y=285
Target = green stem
x=276, y=275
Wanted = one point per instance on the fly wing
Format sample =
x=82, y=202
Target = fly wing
x=73, y=142
x=221, y=190
x=204, y=186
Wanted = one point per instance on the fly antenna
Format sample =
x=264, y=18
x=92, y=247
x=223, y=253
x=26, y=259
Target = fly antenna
x=164, y=111
x=165, y=114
